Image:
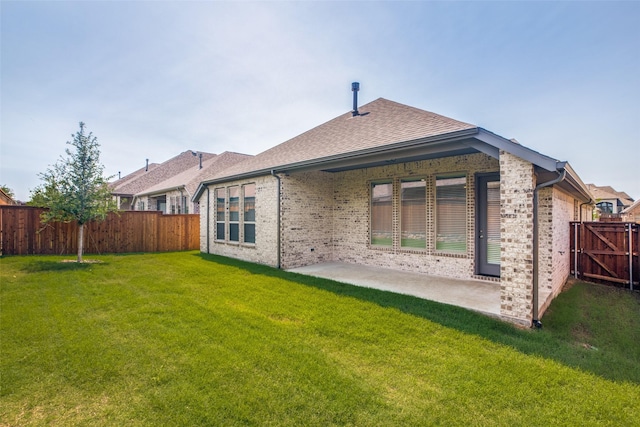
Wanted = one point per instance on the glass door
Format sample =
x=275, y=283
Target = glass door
x=488, y=225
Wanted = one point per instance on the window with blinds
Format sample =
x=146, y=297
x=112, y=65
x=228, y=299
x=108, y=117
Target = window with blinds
x=413, y=208
x=451, y=214
x=381, y=214
x=249, y=206
x=234, y=214
x=221, y=200
x=493, y=222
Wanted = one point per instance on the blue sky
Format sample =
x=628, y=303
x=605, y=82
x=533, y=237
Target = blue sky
x=152, y=79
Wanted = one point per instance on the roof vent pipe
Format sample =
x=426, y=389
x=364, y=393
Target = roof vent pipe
x=200, y=156
x=146, y=169
x=355, y=87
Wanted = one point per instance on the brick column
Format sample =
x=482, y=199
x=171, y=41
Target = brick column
x=517, y=182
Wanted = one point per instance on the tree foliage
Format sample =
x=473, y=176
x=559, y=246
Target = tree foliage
x=74, y=188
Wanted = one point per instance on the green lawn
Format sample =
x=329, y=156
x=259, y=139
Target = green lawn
x=183, y=339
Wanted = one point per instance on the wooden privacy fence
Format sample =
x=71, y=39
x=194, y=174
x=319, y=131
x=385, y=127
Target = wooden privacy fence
x=606, y=252
x=22, y=233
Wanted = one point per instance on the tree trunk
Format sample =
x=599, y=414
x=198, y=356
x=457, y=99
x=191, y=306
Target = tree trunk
x=80, y=241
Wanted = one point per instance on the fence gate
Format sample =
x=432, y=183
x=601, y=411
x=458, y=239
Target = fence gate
x=606, y=252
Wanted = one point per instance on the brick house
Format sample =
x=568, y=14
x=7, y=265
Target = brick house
x=173, y=195
x=389, y=185
x=609, y=202
x=6, y=199
x=168, y=186
x=632, y=213
x=125, y=189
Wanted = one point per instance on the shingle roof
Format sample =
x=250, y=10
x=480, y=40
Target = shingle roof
x=608, y=192
x=162, y=172
x=119, y=183
x=387, y=131
x=632, y=208
x=381, y=122
x=190, y=178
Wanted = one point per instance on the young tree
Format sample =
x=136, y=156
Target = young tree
x=74, y=188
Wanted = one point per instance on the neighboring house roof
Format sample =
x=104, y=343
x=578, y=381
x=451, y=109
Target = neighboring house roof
x=120, y=183
x=634, y=207
x=161, y=172
x=387, y=132
x=609, y=193
x=6, y=199
x=191, y=178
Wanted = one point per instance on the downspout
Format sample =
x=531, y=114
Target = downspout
x=561, y=175
x=590, y=202
x=273, y=173
x=187, y=199
x=208, y=220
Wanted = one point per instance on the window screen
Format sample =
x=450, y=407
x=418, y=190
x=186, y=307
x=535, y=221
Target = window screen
x=451, y=218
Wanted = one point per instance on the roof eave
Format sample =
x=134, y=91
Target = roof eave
x=578, y=185
x=161, y=191
x=328, y=161
x=548, y=163
x=476, y=138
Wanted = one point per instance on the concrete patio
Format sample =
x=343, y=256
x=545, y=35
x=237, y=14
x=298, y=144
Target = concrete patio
x=477, y=295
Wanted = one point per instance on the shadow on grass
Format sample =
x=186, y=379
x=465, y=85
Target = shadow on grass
x=528, y=341
x=59, y=265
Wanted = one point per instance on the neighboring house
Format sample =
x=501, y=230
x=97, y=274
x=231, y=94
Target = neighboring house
x=124, y=199
x=127, y=187
x=608, y=200
x=6, y=199
x=398, y=187
x=173, y=195
x=632, y=213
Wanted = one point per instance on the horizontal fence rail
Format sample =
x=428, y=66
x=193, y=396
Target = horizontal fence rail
x=606, y=252
x=23, y=233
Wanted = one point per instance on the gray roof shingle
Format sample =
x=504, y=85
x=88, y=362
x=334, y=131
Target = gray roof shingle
x=120, y=183
x=381, y=122
x=190, y=178
x=162, y=172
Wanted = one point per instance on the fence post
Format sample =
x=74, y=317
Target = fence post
x=630, y=256
x=575, y=250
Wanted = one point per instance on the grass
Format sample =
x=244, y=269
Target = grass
x=407, y=242
x=451, y=246
x=190, y=339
